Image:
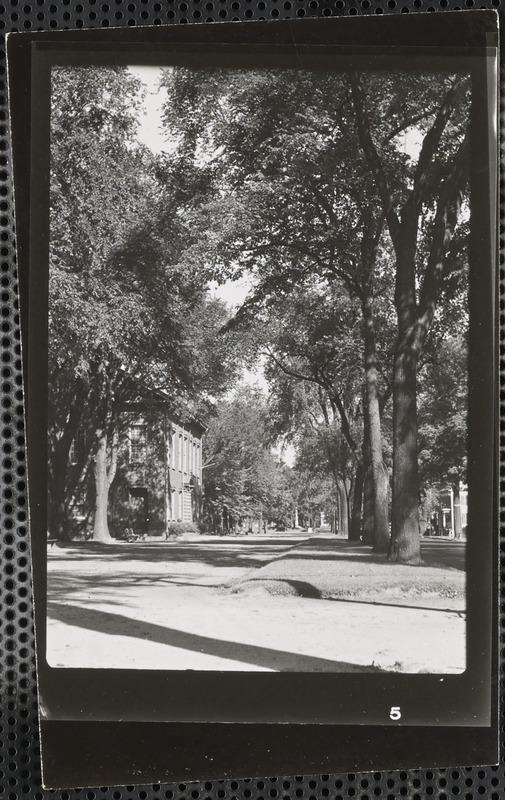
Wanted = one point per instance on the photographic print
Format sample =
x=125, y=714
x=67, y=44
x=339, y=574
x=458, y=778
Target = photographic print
x=257, y=273
x=258, y=369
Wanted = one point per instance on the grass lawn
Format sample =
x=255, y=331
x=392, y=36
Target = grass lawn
x=327, y=567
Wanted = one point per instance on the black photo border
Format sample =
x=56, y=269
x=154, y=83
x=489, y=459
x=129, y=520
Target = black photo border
x=221, y=724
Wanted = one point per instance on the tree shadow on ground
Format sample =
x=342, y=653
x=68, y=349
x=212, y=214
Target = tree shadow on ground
x=119, y=625
x=64, y=584
x=311, y=592
x=304, y=589
x=442, y=557
x=231, y=553
x=458, y=564
x=244, y=553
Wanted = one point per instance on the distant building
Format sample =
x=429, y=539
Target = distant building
x=158, y=477
x=452, y=506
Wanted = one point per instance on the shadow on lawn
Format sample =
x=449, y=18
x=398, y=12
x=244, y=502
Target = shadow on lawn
x=242, y=552
x=221, y=553
x=307, y=590
x=119, y=625
x=444, y=555
x=64, y=584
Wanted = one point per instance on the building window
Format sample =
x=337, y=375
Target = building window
x=173, y=453
x=80, y=503
x=185, y=455
x=138, y=444
x=77, y=450
x=180, y=453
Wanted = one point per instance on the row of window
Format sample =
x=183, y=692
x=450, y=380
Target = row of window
x=80, y=504
x=185, y=453
x=178, y=500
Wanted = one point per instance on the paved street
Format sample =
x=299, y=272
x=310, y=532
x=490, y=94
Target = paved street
x=231, y=603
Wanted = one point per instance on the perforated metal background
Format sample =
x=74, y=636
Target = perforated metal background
x=19, y=754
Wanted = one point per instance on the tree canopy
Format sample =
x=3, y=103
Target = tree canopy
x=355, y=180
x=243, y=478
x=340, y=196
x=126, y=303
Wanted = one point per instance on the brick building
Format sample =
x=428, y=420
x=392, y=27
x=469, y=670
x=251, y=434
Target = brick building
x=158, y=478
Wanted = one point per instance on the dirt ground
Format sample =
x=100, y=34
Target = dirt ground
x=275, y=602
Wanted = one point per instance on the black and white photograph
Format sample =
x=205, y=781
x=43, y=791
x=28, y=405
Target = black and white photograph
x=257, y=269
x=258, y=368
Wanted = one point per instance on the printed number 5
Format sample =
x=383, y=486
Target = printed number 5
x=395, y=712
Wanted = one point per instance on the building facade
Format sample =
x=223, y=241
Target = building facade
x=451, y=515
x=158, y=477
x=159, y=473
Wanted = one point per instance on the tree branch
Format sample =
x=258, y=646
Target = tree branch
x=333, y=395
x=408, y=124
x=372, y=155
x=432, y=140
x=287, y=371
x=336, y=403
x=446, y=219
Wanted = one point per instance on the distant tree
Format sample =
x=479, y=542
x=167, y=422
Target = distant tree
x=243, y=479
x=327, y=466
x=315, y=496
x=443, y=430
x=312, y=363
x=321, y=336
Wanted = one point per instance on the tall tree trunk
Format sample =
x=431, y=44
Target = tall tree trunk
x=373, y=422
x=368, y=508
x=100, y=525
x=61, y=479
x=357, y=504
x=381, y=501
x=57, y=522
x=458, y=530
x=348, y=495
x=343, y=512
x=104, y=475
x=405, y=533
x=368, y=493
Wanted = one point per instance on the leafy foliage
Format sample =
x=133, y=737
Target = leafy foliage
x=241, y=474
x=443, y=403
x=127, y=306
